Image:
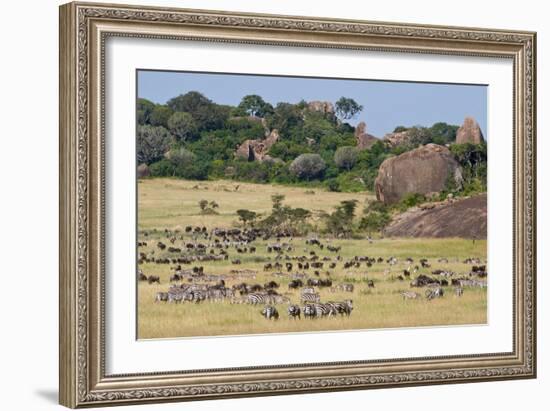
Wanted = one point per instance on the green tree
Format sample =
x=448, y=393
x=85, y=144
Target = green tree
x=144, y=109
x=160, y=116
x=347, y=108
x=206, y=114
x=182, y=126
x=152, y=143
x=340, y=222
x=345, y=157
x=254, y=105
x=247, y=217
x=181, y=157
x=374, y=221
x=308, y=166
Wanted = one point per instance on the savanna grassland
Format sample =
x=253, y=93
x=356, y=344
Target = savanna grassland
x=173, y=204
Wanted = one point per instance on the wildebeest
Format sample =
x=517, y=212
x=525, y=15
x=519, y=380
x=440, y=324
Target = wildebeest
x=295, y=284
x=153, y=279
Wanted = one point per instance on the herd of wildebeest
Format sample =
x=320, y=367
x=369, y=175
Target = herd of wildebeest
x=297, y=260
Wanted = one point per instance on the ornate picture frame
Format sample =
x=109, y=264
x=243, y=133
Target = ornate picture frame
x=84, y=29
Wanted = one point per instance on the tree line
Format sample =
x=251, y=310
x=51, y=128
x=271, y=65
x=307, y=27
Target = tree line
x=193, y=137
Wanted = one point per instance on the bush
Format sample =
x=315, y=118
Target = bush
x=162, y=168
x=152, y=143
x=374, y=221
x=160, y=116
x=182, y=126
x=308, y=166
x=345, y=157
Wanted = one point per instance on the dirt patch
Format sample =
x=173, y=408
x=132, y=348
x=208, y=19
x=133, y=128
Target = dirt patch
x=465, y=218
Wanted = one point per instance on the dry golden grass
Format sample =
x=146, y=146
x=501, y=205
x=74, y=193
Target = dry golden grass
x=165, y=203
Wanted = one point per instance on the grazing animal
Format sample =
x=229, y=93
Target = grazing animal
x=270, y=313
x=310, y=298
x=141, y=276
x=294, y=311
x=370, y=283
x=153, y=279
x=342, y=307
x=294, y=284
x=432, y=293
x=161, y=296
x=410, y=295
x=309, y=311
x=459, y=291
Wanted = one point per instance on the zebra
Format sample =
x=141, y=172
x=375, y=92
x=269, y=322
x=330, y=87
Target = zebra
x=307, y=290
x=293, y=311
x=161, y=296
x=342, y=307
x=432, y=293
x=324, y=310
x=309, y=311
x=409, y=295
x=270, y=312
x=259, y=298
x=459, y=291
x=310, y=298
x=346, y=287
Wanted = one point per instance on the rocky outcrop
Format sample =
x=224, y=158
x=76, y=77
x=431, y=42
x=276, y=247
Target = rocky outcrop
x=256, y=150
x=143, y=171
x=469, y=132
x=424, y=170
x=363, y=139
x=325, y=107
x=397, y=139
x=465, y=218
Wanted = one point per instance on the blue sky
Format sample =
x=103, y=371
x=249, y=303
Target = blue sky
x=386, y=104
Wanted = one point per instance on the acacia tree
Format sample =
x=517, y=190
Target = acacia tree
x=347, y=108
x=254, y=105
x=308, y=166
x=345, y=157
x=247, y=216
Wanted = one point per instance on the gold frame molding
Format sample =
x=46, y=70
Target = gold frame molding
x=84, y=27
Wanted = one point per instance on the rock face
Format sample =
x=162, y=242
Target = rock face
x=397, y=139
x=465, y=218
x=424, y=170
x=143, y=171
x=364, y=140
x=322, y=106
x=469, y=132
x=256, y=150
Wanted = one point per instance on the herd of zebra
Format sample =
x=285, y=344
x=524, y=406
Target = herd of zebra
x=306, y=274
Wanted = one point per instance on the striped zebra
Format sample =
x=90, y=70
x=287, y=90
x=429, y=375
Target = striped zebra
x=459, y=291
x=342, y=307
x=310, y=298
x=410, y=295
x=260, y=298
x=293, y=311
x=307, y=290
x=270, y=312
x=432, y=293
x=309, y=311
x=324, y=310
x=161, y=296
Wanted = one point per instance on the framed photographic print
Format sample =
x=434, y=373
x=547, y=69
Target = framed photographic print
x=259, y=204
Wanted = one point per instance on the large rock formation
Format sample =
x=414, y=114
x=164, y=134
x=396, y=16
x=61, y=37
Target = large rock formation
x=325, y=107
x=469, y=132
x=465, y=218
x=256, y=150
x=397, y=139
x=424, y=170
x=364, y=140
x=143, y=171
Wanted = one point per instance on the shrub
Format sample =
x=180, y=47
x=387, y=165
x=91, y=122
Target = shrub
x=182, y=126
x=152, y=143
x=345, y=157
x=308, y=166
